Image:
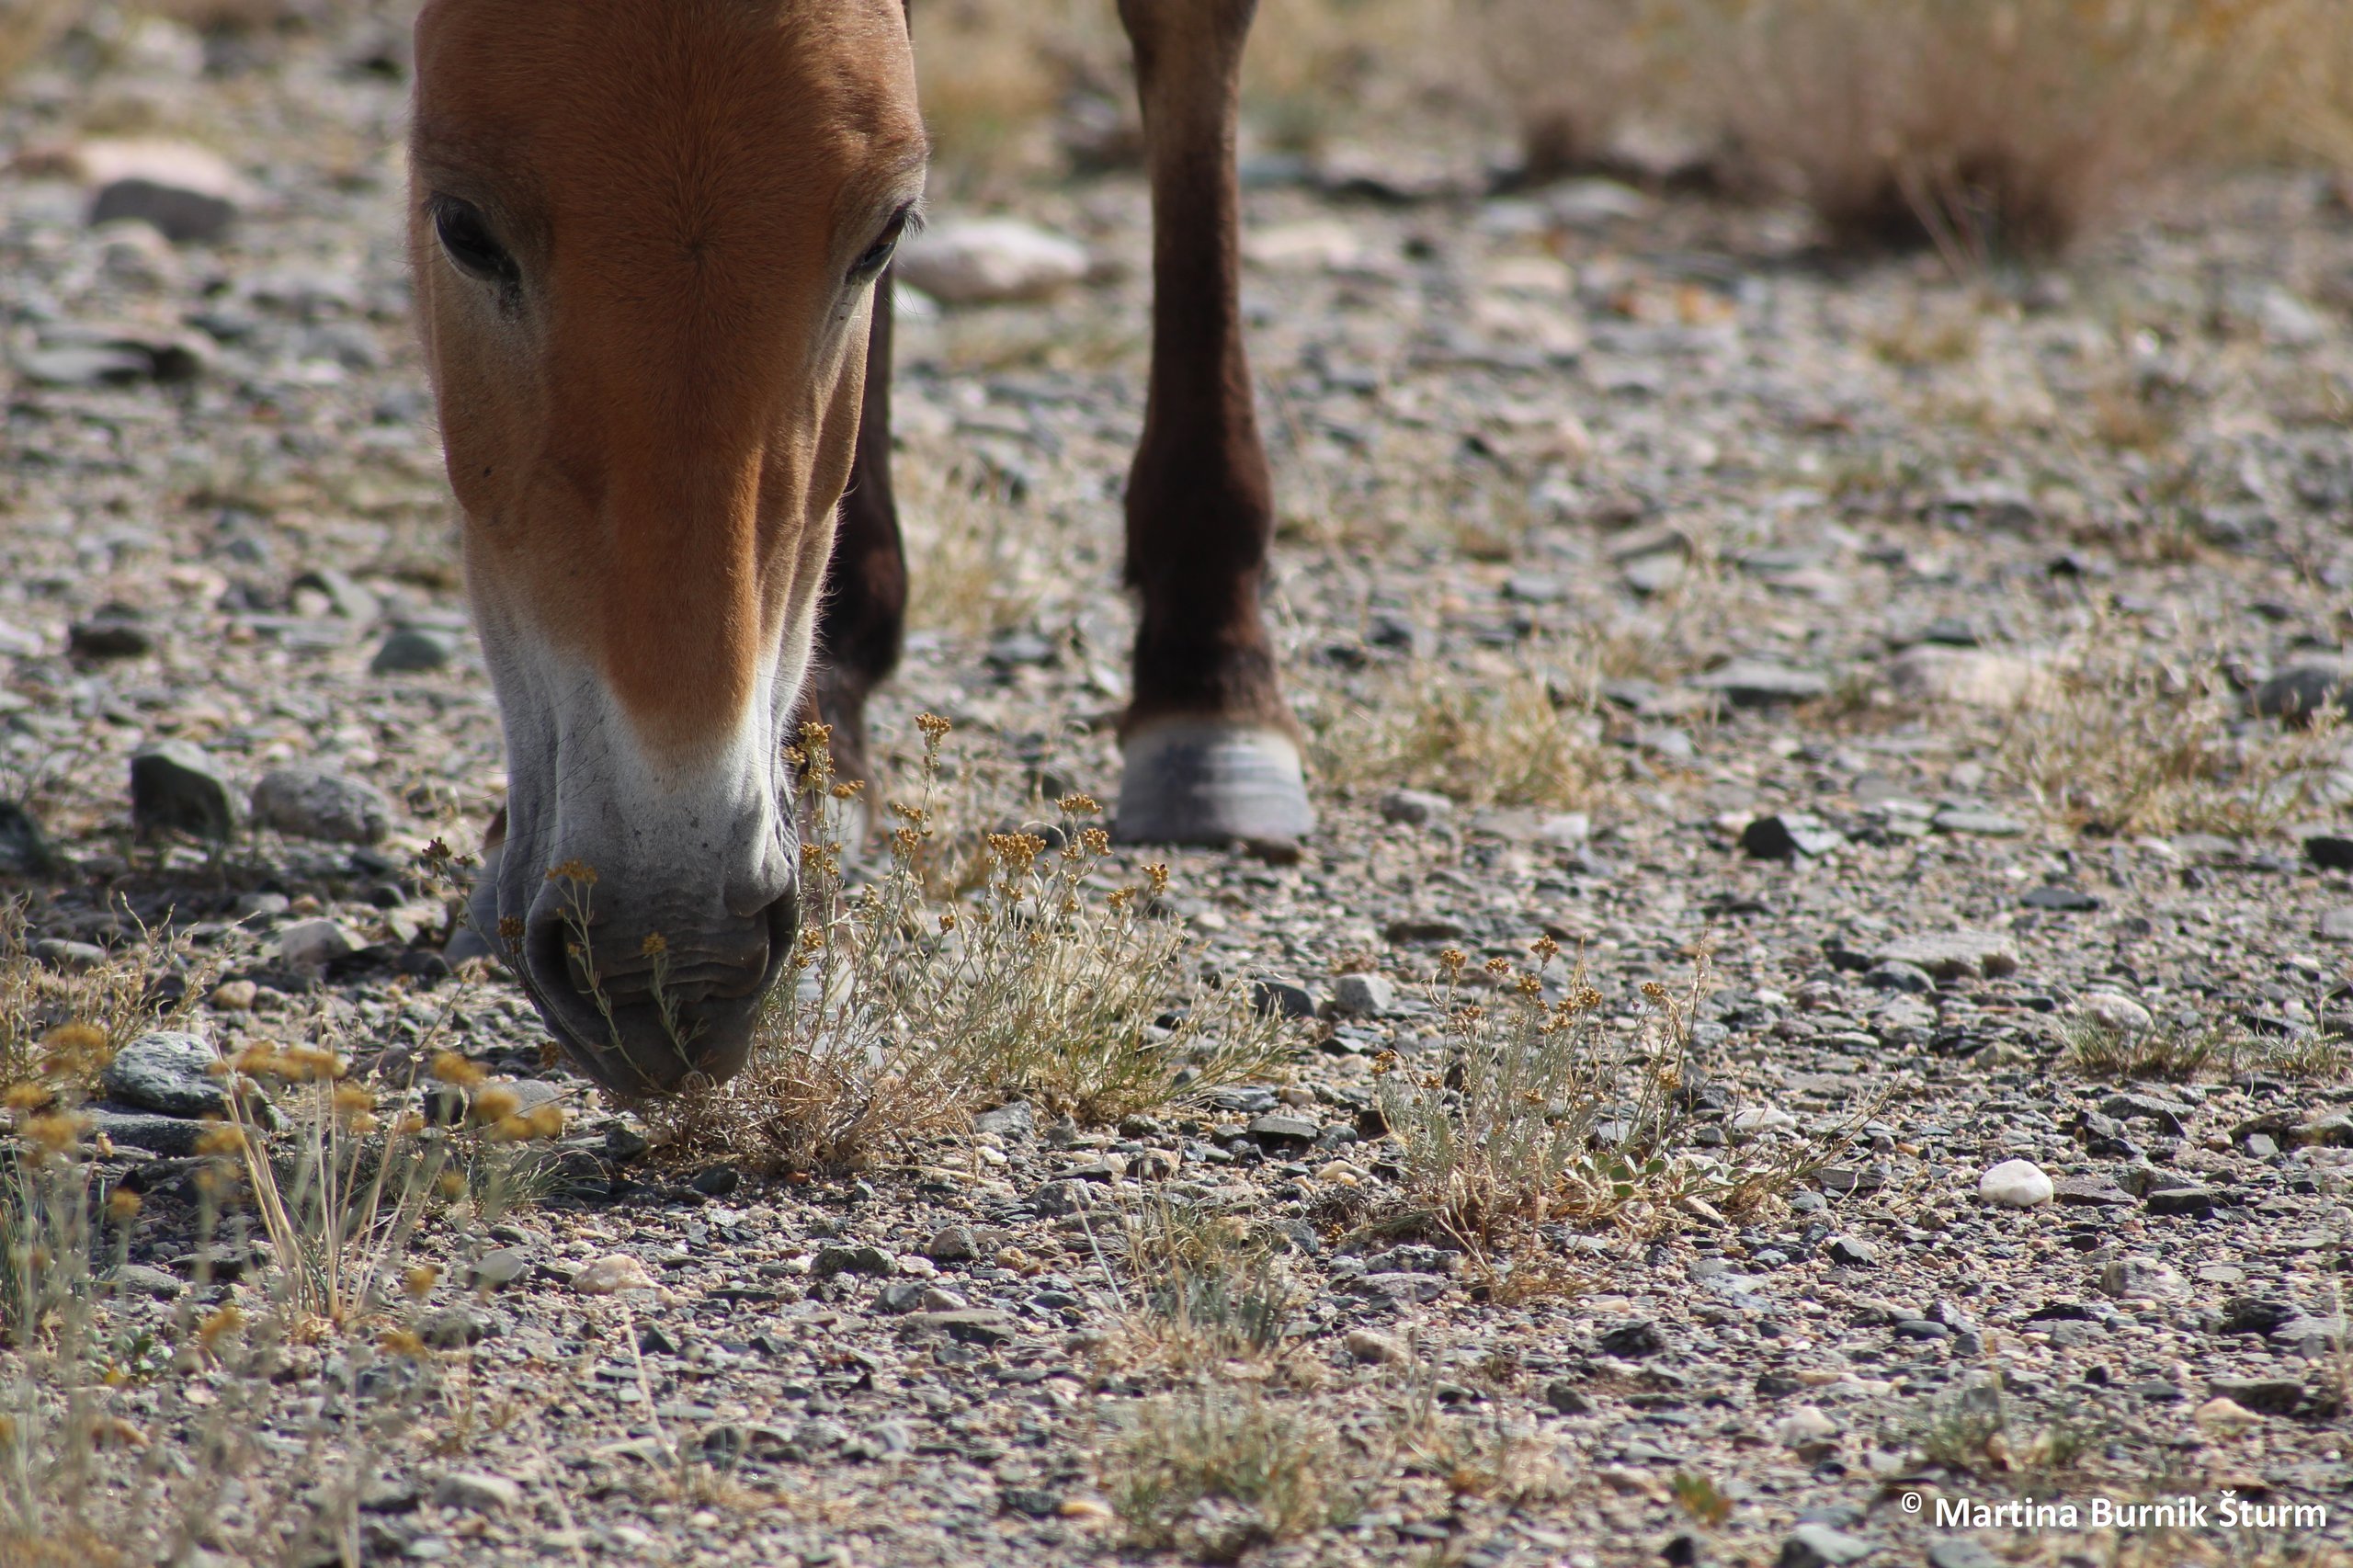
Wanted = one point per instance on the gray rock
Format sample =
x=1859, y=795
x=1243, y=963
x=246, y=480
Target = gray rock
x=1413, y=808
x=117, y=636
x=1277, y=1131
x=1281, y=999
x=454, y=1328
x=306, y=803
x=1060, y=1198
x=2297, y=693
x=2329, y=851
x=412, y=650
x=498, y=1268
x=1418, y=928
x=169, y=1073
x=1907, y=979
x=1012, y=1119
x=1362, y=995
x=2142, y=1279
x=2187, y=1198
x=871, y=1261
x=2110, y=1011
x=137, y=1278
x=951, y=1243
x=343, y=596
x=1851, y=1250
x=2336, y=925
x=314, y=944
x=903, y=1296
x=24, y=848
x=1953, y=955
x=1756, y=683
x=1820, y=1546
x=174, y=788
x=977, y=1325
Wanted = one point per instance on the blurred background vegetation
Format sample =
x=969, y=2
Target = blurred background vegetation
x=1983, y=127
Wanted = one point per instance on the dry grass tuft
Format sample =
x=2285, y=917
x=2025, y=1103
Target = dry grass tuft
x=1210, y=1288
x=95, y=1011
x=1511, y=741
x=911, y=1005
x=1536, y=1111
x=2137, y=743
x=1215, y=1470
x=2179, y=1055
x=973, y=558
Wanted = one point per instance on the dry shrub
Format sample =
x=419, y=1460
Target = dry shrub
x=1217, y=1470
x=1510, y=741
x=1577, y=73
x=908, y=1006
x=1533, y=1110
x=98, y=1009
x=1210, y=1288
x=1988, y=129
x=2150, y=740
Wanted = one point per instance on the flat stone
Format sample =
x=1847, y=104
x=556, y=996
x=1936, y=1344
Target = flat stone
x=2015, y=1184
x=139, y=1280
x=169, y=1073
x=2091, y=1192
x=1852, y=1251
x=2331, y=1131
x=412, y=650
x=109, y=637
x=1756, y=683
x=174, y=1137
x=1056, y=1198
x=2335, y=925
x=974, y=1326
x=2185, y=1200
x=1906, y=979
x=2060, y=900
x=1959, y=1552
x=1977, y=824
x=176, y=788
x=187, y=193
x=1363, y=996
x=2329, y=851
x=969, y=261
x=2272, y=1396
x=1283, y=1130
x=1954, y=955
x=69, y=957
x=307, y=803
x=1376, y=1349
x=1806, y=1428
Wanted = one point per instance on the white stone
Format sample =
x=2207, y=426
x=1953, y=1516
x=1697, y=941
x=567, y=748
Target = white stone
x=2015, y=1184
x=611, y=1275
x=2111, y=1011
x=184, y=190
x=1805, y=1427
x=1362, y=995
x=1761, y=1118
x=971, y=261
x=1970, y=677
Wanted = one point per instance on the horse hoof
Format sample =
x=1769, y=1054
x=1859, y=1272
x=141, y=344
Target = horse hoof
x=1211, y=781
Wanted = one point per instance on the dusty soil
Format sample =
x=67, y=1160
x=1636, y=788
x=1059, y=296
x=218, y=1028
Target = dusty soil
x=1605, y=442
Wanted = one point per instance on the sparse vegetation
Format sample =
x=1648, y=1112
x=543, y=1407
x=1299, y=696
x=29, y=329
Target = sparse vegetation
x=1970, y=1432
x=1516, y=742
x=905, y=1007
x=2181, y=1055
x=2139, y=742
x=1210, y=1288
x=1531, y=1110
x=1216, y=1469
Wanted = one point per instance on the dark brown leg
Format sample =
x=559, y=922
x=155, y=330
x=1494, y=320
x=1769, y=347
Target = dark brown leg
x=1210, y=749
x=866, y=587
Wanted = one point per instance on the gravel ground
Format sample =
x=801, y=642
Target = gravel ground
x=1782, y=540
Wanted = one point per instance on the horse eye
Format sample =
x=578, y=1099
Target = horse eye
x=466, y=240
x=869, y=266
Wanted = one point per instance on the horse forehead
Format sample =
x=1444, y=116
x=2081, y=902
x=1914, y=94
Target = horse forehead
x=612, y=94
